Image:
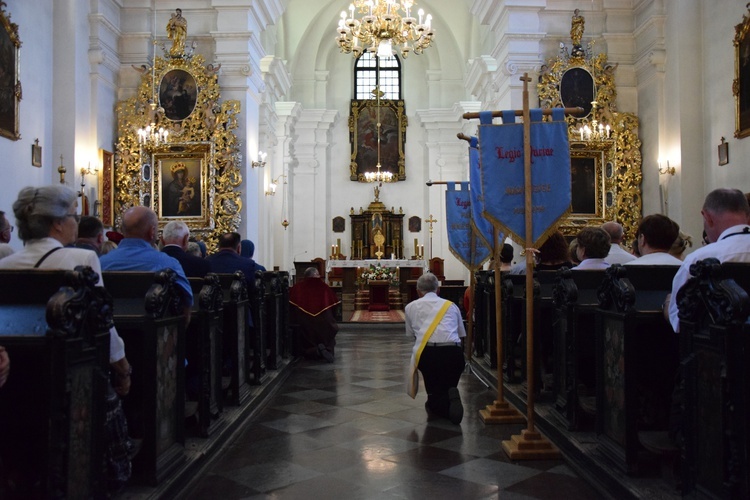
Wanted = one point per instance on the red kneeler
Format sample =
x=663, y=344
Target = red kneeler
x=379, y=295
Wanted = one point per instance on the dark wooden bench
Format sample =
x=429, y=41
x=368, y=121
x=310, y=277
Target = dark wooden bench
x=55, y=328
x=148, y=316
x=257, y=358
x=273, y=310
x=636, y=359
x=235, y=342
x=575, y=298
x=513, y=288
x=715, y=353
x=481, y=328
x=204, y=352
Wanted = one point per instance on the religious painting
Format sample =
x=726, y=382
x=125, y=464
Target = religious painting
x=605, y=151
x=178, y=94
x=105, y=189
x=338, y=224
x=10, y=86
x=415, y=224
x=583, y=185
x=182, y=185
x=592, y=186
x=577, y=89
x=366, y=150
x=741, y=84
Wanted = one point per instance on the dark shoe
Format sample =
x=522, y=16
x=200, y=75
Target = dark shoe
x=455, y=408
x=325, y=353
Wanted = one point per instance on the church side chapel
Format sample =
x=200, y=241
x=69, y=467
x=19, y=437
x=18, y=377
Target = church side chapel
x=355, y=147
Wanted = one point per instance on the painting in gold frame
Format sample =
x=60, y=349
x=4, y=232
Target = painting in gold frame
x=106, y=192
x=741, y=83
x=10, y=48
x=181, y=187
x=364, y=137
x=616, y=154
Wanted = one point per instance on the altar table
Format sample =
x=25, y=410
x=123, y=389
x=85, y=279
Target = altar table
x=350, y=267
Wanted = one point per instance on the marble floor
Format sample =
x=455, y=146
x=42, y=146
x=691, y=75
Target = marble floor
x=348, y=430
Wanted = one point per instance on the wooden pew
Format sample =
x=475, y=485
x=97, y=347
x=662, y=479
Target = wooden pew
x=513, y=288
x=481, y=328
x=273, y=311
x=257, y=359
x=714, y=350
x=55, y=328
x=576, y=301
x=204, y=352
x=636, y=359
x=235, y=340
x=284, y=313
x=148, y=316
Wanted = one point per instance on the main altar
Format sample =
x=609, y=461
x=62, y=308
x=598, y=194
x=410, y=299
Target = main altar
x=378, y=294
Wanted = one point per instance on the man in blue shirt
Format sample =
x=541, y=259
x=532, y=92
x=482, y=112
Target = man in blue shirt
x=136, y=251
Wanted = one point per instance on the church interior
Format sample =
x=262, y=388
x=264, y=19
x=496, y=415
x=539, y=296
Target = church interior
x=268, y=118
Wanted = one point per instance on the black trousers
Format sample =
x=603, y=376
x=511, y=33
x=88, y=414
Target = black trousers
x=441, y=368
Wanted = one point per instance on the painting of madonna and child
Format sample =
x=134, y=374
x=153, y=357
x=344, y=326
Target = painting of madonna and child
x=181, y=192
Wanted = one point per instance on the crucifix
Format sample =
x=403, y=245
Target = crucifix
x=431, y=221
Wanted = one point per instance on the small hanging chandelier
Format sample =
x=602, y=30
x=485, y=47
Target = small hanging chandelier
x=153, y=134
x=382, y=29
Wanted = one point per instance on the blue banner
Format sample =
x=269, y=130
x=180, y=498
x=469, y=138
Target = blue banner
x=501, y=158
x=482, y=227
x=462, y=238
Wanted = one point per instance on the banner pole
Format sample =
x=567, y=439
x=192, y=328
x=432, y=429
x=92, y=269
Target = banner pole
x=530, y=444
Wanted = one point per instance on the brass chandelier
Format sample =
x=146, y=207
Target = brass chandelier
x=382, y=29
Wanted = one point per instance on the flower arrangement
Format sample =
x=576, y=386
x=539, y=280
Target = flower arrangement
x=377, y=272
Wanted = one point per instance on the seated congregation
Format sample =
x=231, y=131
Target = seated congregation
x=136, y=360
x=130, y=361
x=637, y=368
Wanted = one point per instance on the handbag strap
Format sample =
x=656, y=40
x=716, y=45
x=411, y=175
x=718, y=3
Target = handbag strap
x=44, y=257
x=438, y=318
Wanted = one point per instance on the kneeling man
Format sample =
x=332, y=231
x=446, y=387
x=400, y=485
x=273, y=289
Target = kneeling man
x=437, y=326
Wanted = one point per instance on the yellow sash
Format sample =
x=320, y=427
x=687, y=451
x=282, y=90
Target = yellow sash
x=413, y=380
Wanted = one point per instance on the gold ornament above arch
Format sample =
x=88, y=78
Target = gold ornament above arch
x=180, y=94
x=608, y=158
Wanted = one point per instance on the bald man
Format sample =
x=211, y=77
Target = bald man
x=136, y=251
x=617, y=254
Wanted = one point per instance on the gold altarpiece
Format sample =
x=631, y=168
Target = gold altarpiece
x=605, y=163
x=374, y=225
x=180, y=93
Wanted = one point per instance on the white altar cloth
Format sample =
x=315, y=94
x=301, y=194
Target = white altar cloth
x=389, y=263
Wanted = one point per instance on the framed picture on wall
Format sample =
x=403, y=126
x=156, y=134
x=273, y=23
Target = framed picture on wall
x=741, y=83
x=10, y=48
x=182, y=187
x=366, y=149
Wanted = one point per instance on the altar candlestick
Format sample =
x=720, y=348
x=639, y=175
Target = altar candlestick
x=416, y=247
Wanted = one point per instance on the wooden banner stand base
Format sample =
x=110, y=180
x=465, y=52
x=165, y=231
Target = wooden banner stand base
x=530, y=446
x=501, y=413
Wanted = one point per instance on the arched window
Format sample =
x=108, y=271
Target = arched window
x=371, y=70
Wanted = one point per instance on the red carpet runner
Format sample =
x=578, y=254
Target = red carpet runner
x=392, y=316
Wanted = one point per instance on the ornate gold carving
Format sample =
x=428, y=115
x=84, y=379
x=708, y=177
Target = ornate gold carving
x=618, y=159
x=206, y=132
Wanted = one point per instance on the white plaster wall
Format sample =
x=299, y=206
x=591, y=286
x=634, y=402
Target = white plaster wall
x=35, y=28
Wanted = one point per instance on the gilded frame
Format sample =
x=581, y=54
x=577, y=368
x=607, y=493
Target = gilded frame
x=363, y=137
x=189, y=199
x=10, y=55
x=741, y=83
x=205, y=136
x=593, y=187
x=106, y=192
x=616, y=157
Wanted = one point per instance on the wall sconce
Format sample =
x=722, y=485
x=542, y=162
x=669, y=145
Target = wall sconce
x=271, y=191
x=84, y=172
x=261, y=160
x=666, y=170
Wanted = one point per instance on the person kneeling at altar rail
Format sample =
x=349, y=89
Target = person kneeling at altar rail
x=313, y=305
x=438, y=328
